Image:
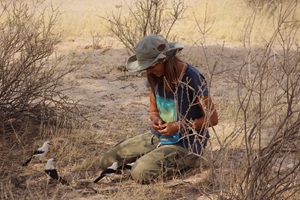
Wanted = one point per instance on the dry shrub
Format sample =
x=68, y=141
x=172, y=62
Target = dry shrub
x=144, y=18
x=268, y=6
x=30, y=77
x=259, y=157
x=266, y=165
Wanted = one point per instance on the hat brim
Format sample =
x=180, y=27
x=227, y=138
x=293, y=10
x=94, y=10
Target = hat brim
x=134, y=65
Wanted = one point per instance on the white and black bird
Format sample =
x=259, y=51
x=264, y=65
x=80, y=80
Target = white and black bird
x=52, y=172
x=109, y=172
x=39, y=153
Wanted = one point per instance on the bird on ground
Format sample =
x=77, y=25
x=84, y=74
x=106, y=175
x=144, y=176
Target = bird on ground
x=52, y=172
x=39, y=153
x=109, y=172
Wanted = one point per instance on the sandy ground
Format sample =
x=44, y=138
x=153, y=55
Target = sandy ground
x=105, y=88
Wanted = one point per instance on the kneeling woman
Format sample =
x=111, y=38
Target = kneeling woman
x=181, y=110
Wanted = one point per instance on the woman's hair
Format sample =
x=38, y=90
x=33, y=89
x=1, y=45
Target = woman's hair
x=170, y=77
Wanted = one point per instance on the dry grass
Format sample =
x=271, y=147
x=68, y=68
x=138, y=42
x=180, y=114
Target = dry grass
x=107, y=90
x=225, y=20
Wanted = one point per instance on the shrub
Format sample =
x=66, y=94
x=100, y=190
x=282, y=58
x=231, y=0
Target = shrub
x=144, y=18
x=29, y=79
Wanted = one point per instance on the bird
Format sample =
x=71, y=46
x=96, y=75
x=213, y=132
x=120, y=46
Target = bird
x=39, y=153
x=52, y=172
x=109, y=172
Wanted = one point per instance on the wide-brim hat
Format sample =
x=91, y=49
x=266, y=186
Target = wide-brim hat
x=150, y=51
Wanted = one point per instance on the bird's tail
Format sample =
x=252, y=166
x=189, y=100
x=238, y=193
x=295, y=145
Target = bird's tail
x=27, y=162
x=98, y=179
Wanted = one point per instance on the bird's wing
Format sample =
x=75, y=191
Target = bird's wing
x=38, y=152
x=108, y=171
x=52, y=173
x=126, y=166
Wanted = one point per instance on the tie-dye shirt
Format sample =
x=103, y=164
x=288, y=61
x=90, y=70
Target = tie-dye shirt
x=182, y=104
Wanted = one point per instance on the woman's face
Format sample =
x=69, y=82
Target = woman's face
x=158, y=70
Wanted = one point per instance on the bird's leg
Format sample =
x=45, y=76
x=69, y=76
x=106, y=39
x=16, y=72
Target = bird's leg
x=109, y=178
x=48, y=180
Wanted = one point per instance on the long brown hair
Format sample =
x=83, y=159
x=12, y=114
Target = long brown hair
x=170, y=77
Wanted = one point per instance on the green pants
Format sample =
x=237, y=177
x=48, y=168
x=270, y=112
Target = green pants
x=151, y=162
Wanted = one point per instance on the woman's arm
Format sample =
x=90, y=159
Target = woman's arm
x=210, y=117
x=156, y=121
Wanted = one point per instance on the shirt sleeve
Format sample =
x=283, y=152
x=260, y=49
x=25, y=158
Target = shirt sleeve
x=199, y=84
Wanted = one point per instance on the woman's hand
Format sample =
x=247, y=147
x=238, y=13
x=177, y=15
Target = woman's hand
x=156, y=124
x=169, y=128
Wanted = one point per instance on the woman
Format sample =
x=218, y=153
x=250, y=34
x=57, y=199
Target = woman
x=180, y=113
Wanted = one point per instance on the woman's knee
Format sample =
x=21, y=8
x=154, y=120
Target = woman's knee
x=142, y=173
x=106, y=160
